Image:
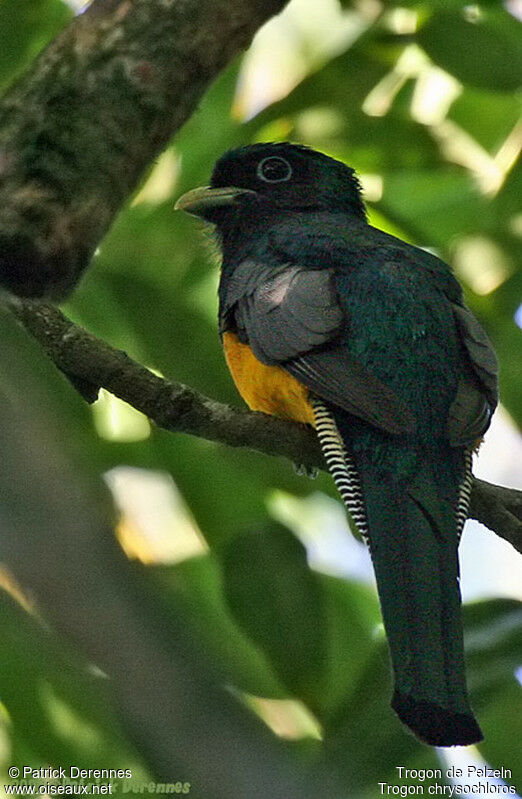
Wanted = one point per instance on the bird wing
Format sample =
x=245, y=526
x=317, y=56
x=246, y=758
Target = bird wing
x=477, y=392
x=291, y=316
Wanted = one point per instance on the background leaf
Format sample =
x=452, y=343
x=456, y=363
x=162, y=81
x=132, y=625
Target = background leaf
x=484, y=51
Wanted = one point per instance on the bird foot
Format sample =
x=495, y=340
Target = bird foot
x=306, y=471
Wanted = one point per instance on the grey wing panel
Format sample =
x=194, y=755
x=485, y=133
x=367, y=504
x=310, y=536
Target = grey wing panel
x=293, y=312
x=245, y=279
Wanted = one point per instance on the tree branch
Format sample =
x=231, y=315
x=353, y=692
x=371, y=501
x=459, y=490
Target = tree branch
x=178, y=408
x=79, y=129
x=56, y=538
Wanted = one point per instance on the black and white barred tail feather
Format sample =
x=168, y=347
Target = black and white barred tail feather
x=345, y=476
x=341, y=466
x=462, y=507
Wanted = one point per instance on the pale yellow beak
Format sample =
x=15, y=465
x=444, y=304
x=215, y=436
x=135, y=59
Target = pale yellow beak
x=199, y=200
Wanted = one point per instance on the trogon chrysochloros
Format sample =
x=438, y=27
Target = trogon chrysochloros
x=327, y=320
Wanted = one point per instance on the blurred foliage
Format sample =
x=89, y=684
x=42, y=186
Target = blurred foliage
x=421, y=98
x=57, y=708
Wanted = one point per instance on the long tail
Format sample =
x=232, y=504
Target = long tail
x=416, y=568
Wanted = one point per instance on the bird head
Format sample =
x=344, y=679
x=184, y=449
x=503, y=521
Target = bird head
x=263, y=179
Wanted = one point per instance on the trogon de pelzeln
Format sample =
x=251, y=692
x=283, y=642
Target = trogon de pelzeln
x=327, y=320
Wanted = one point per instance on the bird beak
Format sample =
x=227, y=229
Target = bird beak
x=202, y=199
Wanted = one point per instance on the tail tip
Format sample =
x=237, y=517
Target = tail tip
x=434, y=724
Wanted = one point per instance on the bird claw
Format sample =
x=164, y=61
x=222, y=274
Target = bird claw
x=306, y=471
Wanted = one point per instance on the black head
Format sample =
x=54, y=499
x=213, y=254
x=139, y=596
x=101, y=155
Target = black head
x=262, y=178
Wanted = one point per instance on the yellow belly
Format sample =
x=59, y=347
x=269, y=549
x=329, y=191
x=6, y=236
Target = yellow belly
x=266, y=388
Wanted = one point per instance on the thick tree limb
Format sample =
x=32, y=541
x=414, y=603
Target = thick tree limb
x=78, y=131
x=178, y=408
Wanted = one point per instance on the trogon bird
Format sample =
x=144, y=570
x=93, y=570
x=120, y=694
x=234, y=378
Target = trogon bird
x=329, y=321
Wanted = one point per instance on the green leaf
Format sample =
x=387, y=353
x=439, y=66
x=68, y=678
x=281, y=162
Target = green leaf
x=434, y=206
x=352, y=624
x=500, y=721
x=57, y=706
x=195, y=585
x=25, y=29
x=488, y=116
x=493, y=639
x=279, y=603
x=485, y=52
x=332, y=84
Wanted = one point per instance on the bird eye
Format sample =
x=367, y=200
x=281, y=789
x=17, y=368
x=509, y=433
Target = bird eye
x=274, y=169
